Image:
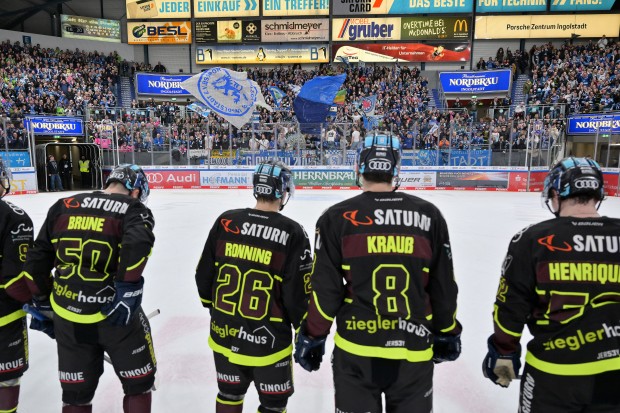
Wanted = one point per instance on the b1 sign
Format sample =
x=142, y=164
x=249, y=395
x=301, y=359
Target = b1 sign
x=490, y=81
x=168, y=85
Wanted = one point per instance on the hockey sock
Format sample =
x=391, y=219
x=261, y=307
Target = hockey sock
x=9, y=396
x=263, y=409
x=228, y=403
x=70, y=408
x=137, y=403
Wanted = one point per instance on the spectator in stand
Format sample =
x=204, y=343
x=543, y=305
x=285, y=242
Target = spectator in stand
x=159, y=68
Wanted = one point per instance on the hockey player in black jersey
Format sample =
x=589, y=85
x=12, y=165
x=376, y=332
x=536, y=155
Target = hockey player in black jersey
x=16, y=235
x=253, y=276
x=383, y=270
x=561, y=277
x=86, y=269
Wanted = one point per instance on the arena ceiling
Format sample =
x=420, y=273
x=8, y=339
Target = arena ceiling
x=39, y=16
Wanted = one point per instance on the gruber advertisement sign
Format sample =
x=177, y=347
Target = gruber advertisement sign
x=163, y=85
x=491, y=81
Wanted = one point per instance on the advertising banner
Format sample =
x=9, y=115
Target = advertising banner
x=561, y=26
x=435, y=28
x=402, y=52
x=172, y=178
x=490, y=81
x=24, y=181
x=159, y=32
x=237, y=31
x=55, y=125
x=366, y=28
x=205, y=31
x=226, y=178
x=295, y=30
x=610, y=180
x=158, y=9
x=510, y=6
x=589, y=124
x=90, y=28
x=324, y=178
x=455, y=157
x=16, y=159
x=417, y=7
x=473, y=179
x=417, y=179
x=226, y=8
x=295, y=7
x=165, y=85
x=272, y=54
x=581, y=5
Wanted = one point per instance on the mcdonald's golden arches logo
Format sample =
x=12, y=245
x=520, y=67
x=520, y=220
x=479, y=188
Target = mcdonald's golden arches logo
x=460, y=26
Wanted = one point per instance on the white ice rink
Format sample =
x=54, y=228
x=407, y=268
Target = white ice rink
x=480, y=223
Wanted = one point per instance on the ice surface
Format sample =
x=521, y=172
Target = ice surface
x=480, y=223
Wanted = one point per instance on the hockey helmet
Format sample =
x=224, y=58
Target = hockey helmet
x=574, y=177
x=379, y=154
x=131, y=177
x=5, y=177
x=273, y=180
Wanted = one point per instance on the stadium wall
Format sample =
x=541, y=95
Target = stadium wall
x=126, y=51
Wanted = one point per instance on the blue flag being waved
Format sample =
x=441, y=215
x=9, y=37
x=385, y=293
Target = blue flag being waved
x=277, y=94
x=314, y=100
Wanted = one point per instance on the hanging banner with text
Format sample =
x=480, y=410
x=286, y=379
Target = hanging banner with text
x=581, y=5
x=295, y=30
x=238, y=31
x=490, y=81
x=510, y=6
x=590, y=124
x=90, y=28
x=295, y=7
x=402, y=52
x=267, y=53
x=417, y=7
x=396, y=28
x=161, y=85
x=561, y=26
x=159, y=32
x=226, y=8
x=55, y=125
x=158, y=9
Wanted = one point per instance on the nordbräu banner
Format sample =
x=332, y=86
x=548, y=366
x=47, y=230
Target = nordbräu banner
x=55, y=125
x=166, y=85
x=490, y=81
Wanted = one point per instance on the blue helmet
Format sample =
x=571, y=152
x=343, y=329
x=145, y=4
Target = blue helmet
x=131, y=177
x=379, y=154
x=5, y=177
x=574, y=177
x=273, y=180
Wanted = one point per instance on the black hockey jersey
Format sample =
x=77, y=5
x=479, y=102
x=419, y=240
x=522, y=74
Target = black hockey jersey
x=254, y=274
x=89, y=241
x=383, y=270
x=16, y=235
x=561, y=277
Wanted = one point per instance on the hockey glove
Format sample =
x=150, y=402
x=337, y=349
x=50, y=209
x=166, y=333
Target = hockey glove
x=309, y=351
x=126, y=302
x=42, y=315
x=446, y=347
x=501, y=369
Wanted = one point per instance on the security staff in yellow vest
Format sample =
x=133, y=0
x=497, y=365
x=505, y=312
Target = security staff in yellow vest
x=85, y=171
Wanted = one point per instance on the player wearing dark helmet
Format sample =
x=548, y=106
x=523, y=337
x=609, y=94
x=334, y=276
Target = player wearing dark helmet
x=85, y=272
x=383, y=271
x=16, y=236
x=561, y=277
x=253, y=276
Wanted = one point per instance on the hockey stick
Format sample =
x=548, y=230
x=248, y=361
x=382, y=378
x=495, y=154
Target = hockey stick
x=150, y=315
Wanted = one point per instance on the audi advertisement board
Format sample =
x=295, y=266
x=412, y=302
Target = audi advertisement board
x=491, y=81
x=295, y=30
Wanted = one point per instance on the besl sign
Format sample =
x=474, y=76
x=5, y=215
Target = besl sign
x=159, y=32
x=491, y=81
